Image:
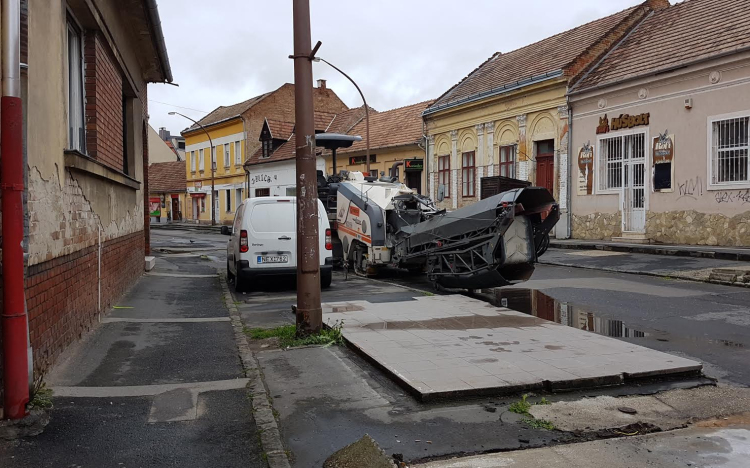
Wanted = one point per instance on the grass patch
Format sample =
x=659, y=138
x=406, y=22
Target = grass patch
x=288, y=338
x=41, y=397
x=427, y=293
x=523, y=406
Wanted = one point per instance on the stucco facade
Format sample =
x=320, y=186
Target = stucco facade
x=384, y=160
x=687, y=203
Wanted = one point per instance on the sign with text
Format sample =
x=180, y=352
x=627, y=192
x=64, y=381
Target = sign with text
x=355, y=160
x=623, y=122
x=198, y=184
x=154, y=206
x=663, y=151
x=413, y=165
x=586, y=169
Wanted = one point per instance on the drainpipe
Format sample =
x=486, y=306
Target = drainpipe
x=15, y=330
x=569, y=193
x=426, y=170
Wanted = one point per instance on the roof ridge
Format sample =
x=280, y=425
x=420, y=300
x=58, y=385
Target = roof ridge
x=467, y=77
x=427, y=103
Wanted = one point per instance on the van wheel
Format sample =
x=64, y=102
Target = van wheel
x=325, y=279
x=230, y=275
x=240, y=285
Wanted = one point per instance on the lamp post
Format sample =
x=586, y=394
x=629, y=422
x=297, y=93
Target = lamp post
x=214, y=199
x=367, y=110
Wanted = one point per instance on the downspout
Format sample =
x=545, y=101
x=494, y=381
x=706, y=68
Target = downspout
x=569, y=192
x=14, y=324
x=426, y=159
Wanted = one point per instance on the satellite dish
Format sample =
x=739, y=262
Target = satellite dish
x=441, y=193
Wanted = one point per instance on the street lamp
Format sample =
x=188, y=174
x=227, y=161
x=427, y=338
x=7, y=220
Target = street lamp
x=367, y=111
x=214, y=199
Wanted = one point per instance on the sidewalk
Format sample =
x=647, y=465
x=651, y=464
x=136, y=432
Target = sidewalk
x=699, y=251
x=693, y=268
x=183, y=225
x=158, y=383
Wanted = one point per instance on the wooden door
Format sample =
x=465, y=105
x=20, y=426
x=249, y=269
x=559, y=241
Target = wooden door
x=176, y=210
x=545, y=172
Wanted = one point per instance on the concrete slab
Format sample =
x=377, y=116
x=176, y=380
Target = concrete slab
x=449, y=346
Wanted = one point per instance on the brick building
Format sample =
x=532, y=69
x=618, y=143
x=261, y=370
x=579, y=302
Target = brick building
x=84, y=96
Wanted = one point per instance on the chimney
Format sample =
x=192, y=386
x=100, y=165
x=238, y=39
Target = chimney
x=657, y=5
x=322, y=84
x=164, y=133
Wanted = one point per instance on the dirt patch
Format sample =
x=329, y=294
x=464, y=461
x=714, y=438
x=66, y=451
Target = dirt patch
x=736, y=420
x=265, y=344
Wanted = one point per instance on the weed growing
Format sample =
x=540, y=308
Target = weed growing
x=287, y=335
x=523, y=406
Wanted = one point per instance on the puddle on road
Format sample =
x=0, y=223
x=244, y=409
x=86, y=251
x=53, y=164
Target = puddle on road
x=538, y=304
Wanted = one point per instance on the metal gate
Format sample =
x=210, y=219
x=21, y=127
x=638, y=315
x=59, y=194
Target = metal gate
x=633, y=196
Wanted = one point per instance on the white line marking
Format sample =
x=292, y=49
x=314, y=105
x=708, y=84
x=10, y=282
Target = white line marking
x=178, y=275
x=147, y=390
x=166, y=320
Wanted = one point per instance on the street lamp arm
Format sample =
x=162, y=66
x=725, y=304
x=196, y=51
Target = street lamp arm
x=364, y=101
x=213, y=168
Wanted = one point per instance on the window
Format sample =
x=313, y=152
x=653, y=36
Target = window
x=467, y=174
x=266, y=149
x=192, y=161
x=508, y=161
x=181, y=145
x=615, y=151
x=202, y=161
x=238, y=196
x=228, y=201
x=76, y=129
x=203, y=204
x=227, y=156
x=444, y=174
x=216, y=201
x=237, y=153
x=730, y=163
x=291, y=191
x=213, y=158
x=263, y=192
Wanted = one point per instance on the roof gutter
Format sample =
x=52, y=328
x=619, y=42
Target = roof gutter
x=495, y=92
x=659, y=72
x=158, y=35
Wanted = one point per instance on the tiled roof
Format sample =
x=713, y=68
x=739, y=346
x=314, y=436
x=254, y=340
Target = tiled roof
x=546, y=56
x=323, y=120
x=167, y=177
x=396, y=127
x=222, y=113
x=345, y=121
x=683, y=33
x=280, y=130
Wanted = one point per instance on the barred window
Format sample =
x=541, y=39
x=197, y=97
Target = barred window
x=729, y=151
x=612, y=152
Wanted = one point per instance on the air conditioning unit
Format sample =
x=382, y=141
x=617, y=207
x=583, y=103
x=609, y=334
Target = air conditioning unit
x=688, y=103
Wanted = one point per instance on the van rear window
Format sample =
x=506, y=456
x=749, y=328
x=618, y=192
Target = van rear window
x=273, y=217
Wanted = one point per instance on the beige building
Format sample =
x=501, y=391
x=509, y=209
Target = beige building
x=509, y=117
x=660, y=131
x=158, y=150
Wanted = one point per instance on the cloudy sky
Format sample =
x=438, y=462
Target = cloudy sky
x=399, y=51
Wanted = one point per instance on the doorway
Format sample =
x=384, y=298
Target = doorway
x=413, y=180
x=634, y=184
x=545, y=164
x=196, y=208
x=176, y=215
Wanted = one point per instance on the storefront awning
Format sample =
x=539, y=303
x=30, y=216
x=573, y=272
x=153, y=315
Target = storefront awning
x=198, y=195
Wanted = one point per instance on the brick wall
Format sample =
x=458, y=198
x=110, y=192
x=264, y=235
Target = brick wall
x=62, y=294
x=104, y=119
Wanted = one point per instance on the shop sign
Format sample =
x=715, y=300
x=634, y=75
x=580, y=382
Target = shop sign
x=624, y=121
x=603, y=125
x=356, y=160
x=154, y=206
x=663, y=170
x=198, y=184
x=586, y=169
x=414, y=165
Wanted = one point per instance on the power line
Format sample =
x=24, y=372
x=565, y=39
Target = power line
x=178, y=107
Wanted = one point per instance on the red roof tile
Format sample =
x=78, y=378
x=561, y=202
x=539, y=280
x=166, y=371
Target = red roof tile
x=547, y=56
x=679, y=35
x=167, y=177
x=280, y=130
x=396, y=127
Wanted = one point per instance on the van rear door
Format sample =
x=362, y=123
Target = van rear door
x=272, y=239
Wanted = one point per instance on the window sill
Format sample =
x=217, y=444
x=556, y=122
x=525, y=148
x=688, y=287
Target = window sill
x=80, y=162
x=728, y=186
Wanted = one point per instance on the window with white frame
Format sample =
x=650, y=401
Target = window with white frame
x=76, y=128
x=468, y=170
x=192, y=161
x=238, y=195
x=228, y=201
x=613, y=153
x=202, y=161
x=237, y=153
x=730, y=162
x=507, y=160
x=227, y=156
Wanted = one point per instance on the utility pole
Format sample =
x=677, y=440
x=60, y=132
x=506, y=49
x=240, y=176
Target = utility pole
x=309, y=311
x=214, y=198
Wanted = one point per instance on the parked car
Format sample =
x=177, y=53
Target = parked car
x=263, y=241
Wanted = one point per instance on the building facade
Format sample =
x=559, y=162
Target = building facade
x=235, y=132
x=660, y=131
x=84, y=97
x=167, y=191
x=509, y=117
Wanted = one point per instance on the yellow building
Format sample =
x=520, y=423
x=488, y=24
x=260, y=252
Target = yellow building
x=509, y=117
x=235, y=134
x=396, y=136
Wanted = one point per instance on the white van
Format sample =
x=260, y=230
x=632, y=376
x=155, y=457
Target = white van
x=263, y=241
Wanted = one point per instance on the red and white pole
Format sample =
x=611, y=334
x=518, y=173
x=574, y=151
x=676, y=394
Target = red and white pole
x=15, y=335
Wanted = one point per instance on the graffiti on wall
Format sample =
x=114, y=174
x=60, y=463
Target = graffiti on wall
x=733, y=196
x=691, y=188
x=586, y=169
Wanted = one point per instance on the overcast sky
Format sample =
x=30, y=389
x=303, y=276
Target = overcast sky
x=399, y=51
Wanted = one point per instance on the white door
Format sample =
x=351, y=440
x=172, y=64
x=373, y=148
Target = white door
x=634, y=185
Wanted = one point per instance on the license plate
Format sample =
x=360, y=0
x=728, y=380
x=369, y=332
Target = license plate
x=273, y=259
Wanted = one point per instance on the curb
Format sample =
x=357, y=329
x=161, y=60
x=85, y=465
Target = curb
x=675, y=275
x=270, y=436
x=656, y=250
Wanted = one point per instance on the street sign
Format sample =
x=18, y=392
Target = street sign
x=413, y=165
x=198, y=184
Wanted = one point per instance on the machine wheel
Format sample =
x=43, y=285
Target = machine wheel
x=361, y=265
x=543, y=245
x=325, y=279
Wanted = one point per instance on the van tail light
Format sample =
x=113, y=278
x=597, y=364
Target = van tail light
x=243, y=241
x=329, y=244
